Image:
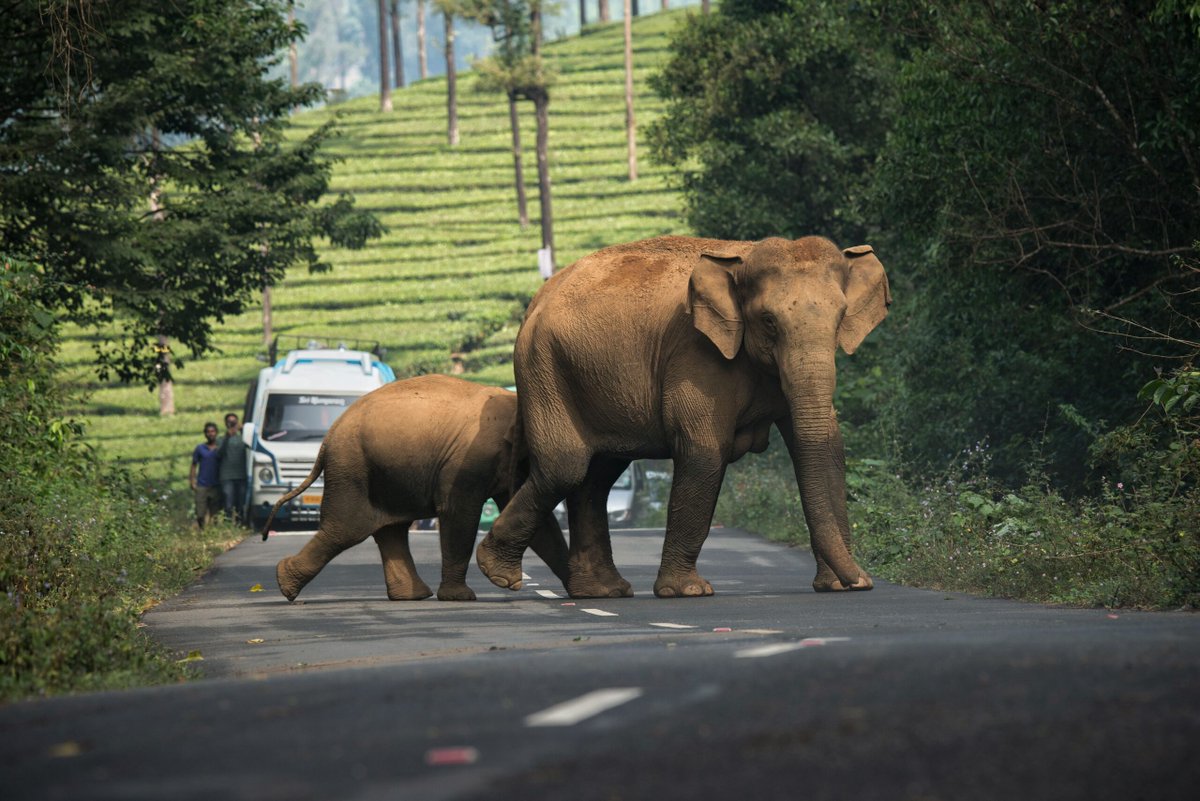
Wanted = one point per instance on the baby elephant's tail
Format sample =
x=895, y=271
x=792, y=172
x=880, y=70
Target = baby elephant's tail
x=318, y=466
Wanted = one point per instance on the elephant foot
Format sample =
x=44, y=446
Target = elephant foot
x=455, y=591
x=414, y=591
x=593, y=587
x=290, y=582
x=826, y=581
x=587, y=580
x=682, y=585
x=501, y=569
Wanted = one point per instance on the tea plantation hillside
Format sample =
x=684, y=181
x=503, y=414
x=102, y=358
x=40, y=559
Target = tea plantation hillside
x=455, y=270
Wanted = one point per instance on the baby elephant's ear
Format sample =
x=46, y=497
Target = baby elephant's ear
x=712, y=303
x=867, y=296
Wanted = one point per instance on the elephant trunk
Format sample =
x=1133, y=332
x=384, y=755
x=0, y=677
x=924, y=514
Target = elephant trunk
x=808, y=383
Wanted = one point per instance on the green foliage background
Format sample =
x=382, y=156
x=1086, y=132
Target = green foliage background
x=1028, y=174
x=85, y=546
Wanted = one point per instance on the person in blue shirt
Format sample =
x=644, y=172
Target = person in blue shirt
x=203, y=477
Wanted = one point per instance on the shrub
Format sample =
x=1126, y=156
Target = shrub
x=84, y=547
x=964, y=531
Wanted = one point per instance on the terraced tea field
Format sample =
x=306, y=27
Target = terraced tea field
x=455, y=270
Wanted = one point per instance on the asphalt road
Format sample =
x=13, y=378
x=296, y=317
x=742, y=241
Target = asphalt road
x=766, y=690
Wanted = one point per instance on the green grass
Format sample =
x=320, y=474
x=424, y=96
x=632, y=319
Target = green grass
x=455, y=270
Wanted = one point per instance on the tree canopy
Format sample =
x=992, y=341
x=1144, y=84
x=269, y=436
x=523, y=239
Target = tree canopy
x=1029, y=172
x=776, y=110
x=145, y=166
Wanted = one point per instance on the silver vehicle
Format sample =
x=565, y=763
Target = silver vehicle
x=625, y=501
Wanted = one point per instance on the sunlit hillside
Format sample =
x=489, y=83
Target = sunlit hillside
x=454, y=271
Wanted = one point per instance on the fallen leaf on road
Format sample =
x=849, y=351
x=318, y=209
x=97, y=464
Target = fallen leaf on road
x=68, y=749
x=193, y=656
x=256, y=588
x=255, y=641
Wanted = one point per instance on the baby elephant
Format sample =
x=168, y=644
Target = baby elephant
x=413, y=449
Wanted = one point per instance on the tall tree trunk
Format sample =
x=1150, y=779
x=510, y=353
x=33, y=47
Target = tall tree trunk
x=293, y=56
x=541, y=105
x=634, y=9
x=515, y=121
x=665, y=5
x=385, y=72
x=268, y=334
x=162, y=367
x=706, y=6
x=451, y=83
x=603, y=9
x=397, y=46
x=166, y=389
x=582, y=13
x=422, y=52
x=630, y=125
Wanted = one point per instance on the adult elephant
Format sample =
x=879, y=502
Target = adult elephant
x=689, y=349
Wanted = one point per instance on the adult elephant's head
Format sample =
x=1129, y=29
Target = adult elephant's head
x=788, y=306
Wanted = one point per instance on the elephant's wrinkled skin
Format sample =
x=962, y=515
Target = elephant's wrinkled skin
x=413, y=449
x=689, y=349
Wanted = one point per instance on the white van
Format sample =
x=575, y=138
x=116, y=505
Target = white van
x=289, y=408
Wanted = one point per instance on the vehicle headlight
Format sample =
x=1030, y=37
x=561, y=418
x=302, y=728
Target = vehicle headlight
x=265, y=474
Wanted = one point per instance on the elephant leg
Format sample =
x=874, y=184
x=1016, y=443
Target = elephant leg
x=698, y=477
x=294, y=572
x=499, y=554
x=826, y=579
x=458, y=524
x=548, y=542
x=592, y=571
x=399, y=572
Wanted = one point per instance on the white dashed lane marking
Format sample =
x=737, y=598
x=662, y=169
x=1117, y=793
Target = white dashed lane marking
x=672, y=626
x=548, y=594
x=568, y=713
x=599, y=613
x=777, y=648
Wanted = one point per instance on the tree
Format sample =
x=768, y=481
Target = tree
x=519, y=70
x=1047, y=155
x=237, y=202
x=422, y=51
x=775, y=113
x=385, y=77
x=397, y=46
x=449, y=9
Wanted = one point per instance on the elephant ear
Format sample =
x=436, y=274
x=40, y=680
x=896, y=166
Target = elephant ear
x=713, y=304
x=867, y=297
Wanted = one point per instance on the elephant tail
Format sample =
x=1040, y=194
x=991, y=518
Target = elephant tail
x=318, y=466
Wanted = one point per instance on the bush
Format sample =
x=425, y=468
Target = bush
x=964, y=531
x=84, y=547
x=760, y=495
x=1133, y=540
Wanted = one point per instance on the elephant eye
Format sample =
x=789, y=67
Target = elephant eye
x=768, y=321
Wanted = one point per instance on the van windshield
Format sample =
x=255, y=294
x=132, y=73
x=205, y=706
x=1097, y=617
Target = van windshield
x=296, y=418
